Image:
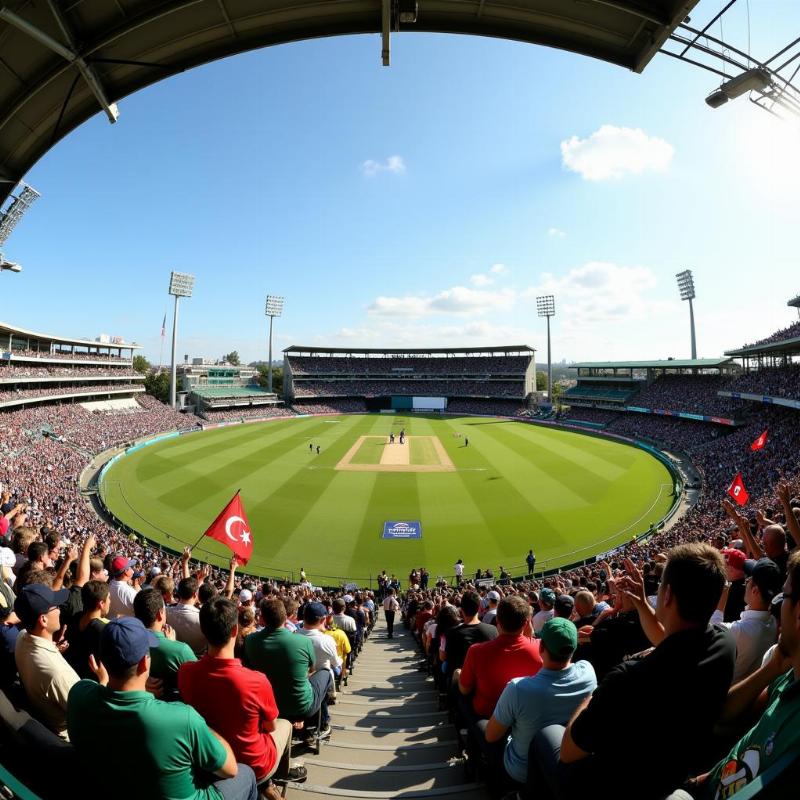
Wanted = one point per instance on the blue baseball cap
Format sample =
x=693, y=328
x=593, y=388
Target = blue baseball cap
x=37, y=599
x=314, y=612
x=124, y=642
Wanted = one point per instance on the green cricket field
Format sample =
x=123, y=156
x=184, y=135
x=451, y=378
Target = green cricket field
x=484, y=490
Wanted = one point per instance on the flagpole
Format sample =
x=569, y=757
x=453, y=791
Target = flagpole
x=161, y=354
x=202, y=535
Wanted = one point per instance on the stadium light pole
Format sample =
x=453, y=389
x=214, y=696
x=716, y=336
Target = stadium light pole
x=181, y=284
x=546, y=307
x=686, y=288
x=273, y=308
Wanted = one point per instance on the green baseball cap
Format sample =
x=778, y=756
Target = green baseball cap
x=560, y=637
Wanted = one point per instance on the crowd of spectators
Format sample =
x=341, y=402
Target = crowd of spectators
x=343, y=405
x=693, y=393
x=407, y=386
x=502, y=408
x=790, y=332
x=412, y=365
x=67, y=355
x=25, y=370
x=781, y=381
x=245, y=412
x=25, y=392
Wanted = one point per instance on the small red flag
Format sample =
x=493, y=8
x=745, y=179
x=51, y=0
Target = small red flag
x=232, y=529
x=759, y=443
x=737, y=491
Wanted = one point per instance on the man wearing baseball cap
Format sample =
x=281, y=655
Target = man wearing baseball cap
x=176, y=755
x=120, y=589
x=550, y=697
x=491, y=612
x=734, y=570
x=756, y=629
x=44, y=672
x=547, y=599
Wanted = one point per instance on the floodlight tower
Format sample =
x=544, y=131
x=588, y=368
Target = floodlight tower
x=181, y=284
x=273, y=308
x=11, y=216
x=546, y=307
x=686, y=287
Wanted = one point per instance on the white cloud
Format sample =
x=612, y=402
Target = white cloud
x=612, y=152
x=556, y=233
x=393, y=164
x=498, y=269
x=481, y=280
x=457, y=300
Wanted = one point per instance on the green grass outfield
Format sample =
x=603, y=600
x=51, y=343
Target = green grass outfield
x=516, y=486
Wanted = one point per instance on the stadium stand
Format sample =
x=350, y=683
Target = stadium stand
x=392, y=378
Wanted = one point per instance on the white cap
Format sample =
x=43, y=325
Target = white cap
x=245, y=596
x=493, y=595
x=348, y=598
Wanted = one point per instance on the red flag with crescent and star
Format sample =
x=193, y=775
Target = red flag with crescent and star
x=232, y=529
x=737, y=491
x=759, y=443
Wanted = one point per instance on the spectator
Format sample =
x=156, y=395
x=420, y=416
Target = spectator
x=287, y=659
x=236, y=702
x=756, y=630
x=168, y=657
x=692, y=666
x=390, y=608
x=547, y=599
x=247, y=625
x=184, y=616
x=43, y=671
x=470, y=631
x=563, y=606
x=489, y=666
x=548, y=698
x=83, y=634
x=489, y=615
x=120, y=588
x=341, y=620
x=771, y=694
x=174, y=752
x=734, y=566
x=38, y=560
x=325, y=655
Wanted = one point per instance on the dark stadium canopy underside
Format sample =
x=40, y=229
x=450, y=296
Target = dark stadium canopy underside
x=298, y=350
x=670, y=363
x=62, y=61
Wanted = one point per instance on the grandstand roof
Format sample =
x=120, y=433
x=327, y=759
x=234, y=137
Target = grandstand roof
x=297, y=349
x=669, y=363
x=79, y=57
x=786, y=347
x=47, y=337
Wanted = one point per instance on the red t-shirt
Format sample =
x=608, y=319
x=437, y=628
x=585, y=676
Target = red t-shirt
x=236, y=702
x=489, y=666
x=422, y=617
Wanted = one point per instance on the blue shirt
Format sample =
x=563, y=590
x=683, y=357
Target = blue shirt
x=529, y=704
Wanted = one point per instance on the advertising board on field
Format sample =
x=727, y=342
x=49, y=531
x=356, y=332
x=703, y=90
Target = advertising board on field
x=402, y=530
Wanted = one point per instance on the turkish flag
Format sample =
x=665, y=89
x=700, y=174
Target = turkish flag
x=759, y=443
x=737, y=491
x=232, y=529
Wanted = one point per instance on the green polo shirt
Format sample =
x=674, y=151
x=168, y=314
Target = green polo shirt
x=165, y=661
x=149, y=748
x=774, y=735
x=285, y=658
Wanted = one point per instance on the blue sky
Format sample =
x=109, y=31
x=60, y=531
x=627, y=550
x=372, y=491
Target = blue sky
x=423, y=204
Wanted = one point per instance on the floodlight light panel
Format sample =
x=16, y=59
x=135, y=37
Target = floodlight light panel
x=181, y=284
x=545, y=305
x=274, y=305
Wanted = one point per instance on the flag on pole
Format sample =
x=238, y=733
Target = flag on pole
x=232, y=529
x=164, y=327
x=759, y=443
x=737, y=491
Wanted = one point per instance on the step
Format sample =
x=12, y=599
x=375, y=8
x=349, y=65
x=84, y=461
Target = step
x=409, y=723
x=354, y=736
x=357, y=777
x=353, y=703
x=383, y=754
x=309, y=791
x=394, y=696
x=376, y=716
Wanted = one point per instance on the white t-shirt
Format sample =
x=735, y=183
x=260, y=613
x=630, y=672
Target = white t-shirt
x=459, y=569
x=390, y=603
x=325, y=653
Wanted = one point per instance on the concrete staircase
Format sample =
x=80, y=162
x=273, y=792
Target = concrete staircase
x=389, y=738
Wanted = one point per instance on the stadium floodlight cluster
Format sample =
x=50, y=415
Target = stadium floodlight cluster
x=273, y=308
x=181, y=284
x=686, y=288
x=11, y=216
x=546, y=307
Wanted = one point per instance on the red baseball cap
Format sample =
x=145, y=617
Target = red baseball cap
x=734, y=557
x=120, y=564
